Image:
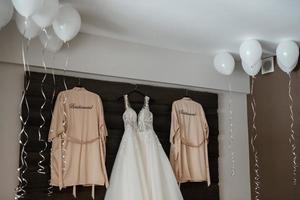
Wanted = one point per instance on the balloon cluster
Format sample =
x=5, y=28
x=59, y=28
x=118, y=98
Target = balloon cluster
x=54, y=23
x=287, y=54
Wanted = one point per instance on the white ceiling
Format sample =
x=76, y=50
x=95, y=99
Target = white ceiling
x=201, y=26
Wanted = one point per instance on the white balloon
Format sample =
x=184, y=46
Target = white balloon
x=252, y=70
x=27, y=27
x=6, y=12
x=45, y=16
x=250, y=52
x=224, y=63
x=281, y=66
x=26, y=8
x=287, y=53
x=67, y=23
x=50, y=40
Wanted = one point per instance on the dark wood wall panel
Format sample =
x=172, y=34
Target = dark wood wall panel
x=273, y=129
x=37, y=188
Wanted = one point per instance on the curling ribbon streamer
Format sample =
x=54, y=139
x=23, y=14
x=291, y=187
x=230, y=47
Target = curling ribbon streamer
x=64, y=136
x=292, y=139
x=253, y=139
x=231, y=136
x=54, y=89
x=66, y=65
x=41, y=169
x=50, y=188
x=20, y=190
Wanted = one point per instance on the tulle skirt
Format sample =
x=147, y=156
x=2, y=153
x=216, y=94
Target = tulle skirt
x=159, y=173
x=142, y=170
x=127, y=180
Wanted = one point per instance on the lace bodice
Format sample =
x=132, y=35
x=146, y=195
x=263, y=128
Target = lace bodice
x=145, y=117
x=129, y=116
x=144, y=121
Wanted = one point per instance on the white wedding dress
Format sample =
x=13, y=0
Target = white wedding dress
x=142, y=170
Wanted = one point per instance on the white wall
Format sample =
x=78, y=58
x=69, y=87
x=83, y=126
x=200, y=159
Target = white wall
x=110, y=57
x=11, y=85
x=235, y=187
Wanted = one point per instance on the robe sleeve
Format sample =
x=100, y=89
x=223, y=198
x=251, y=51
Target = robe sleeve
x=174, y=125
x=102, y=130
x=57, y=122
x=174, y=140
x=204, y=124
x=101, y=122
x=206, y=133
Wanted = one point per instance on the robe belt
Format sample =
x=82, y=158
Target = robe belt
x=186, y=143
x=77, y=141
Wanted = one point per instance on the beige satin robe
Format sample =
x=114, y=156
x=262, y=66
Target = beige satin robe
x=78, y=134
x=189, y=139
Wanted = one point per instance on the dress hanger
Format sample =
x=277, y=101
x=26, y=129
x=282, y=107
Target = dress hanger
x=187, y=94
x=79, y=83
x=135, y=90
